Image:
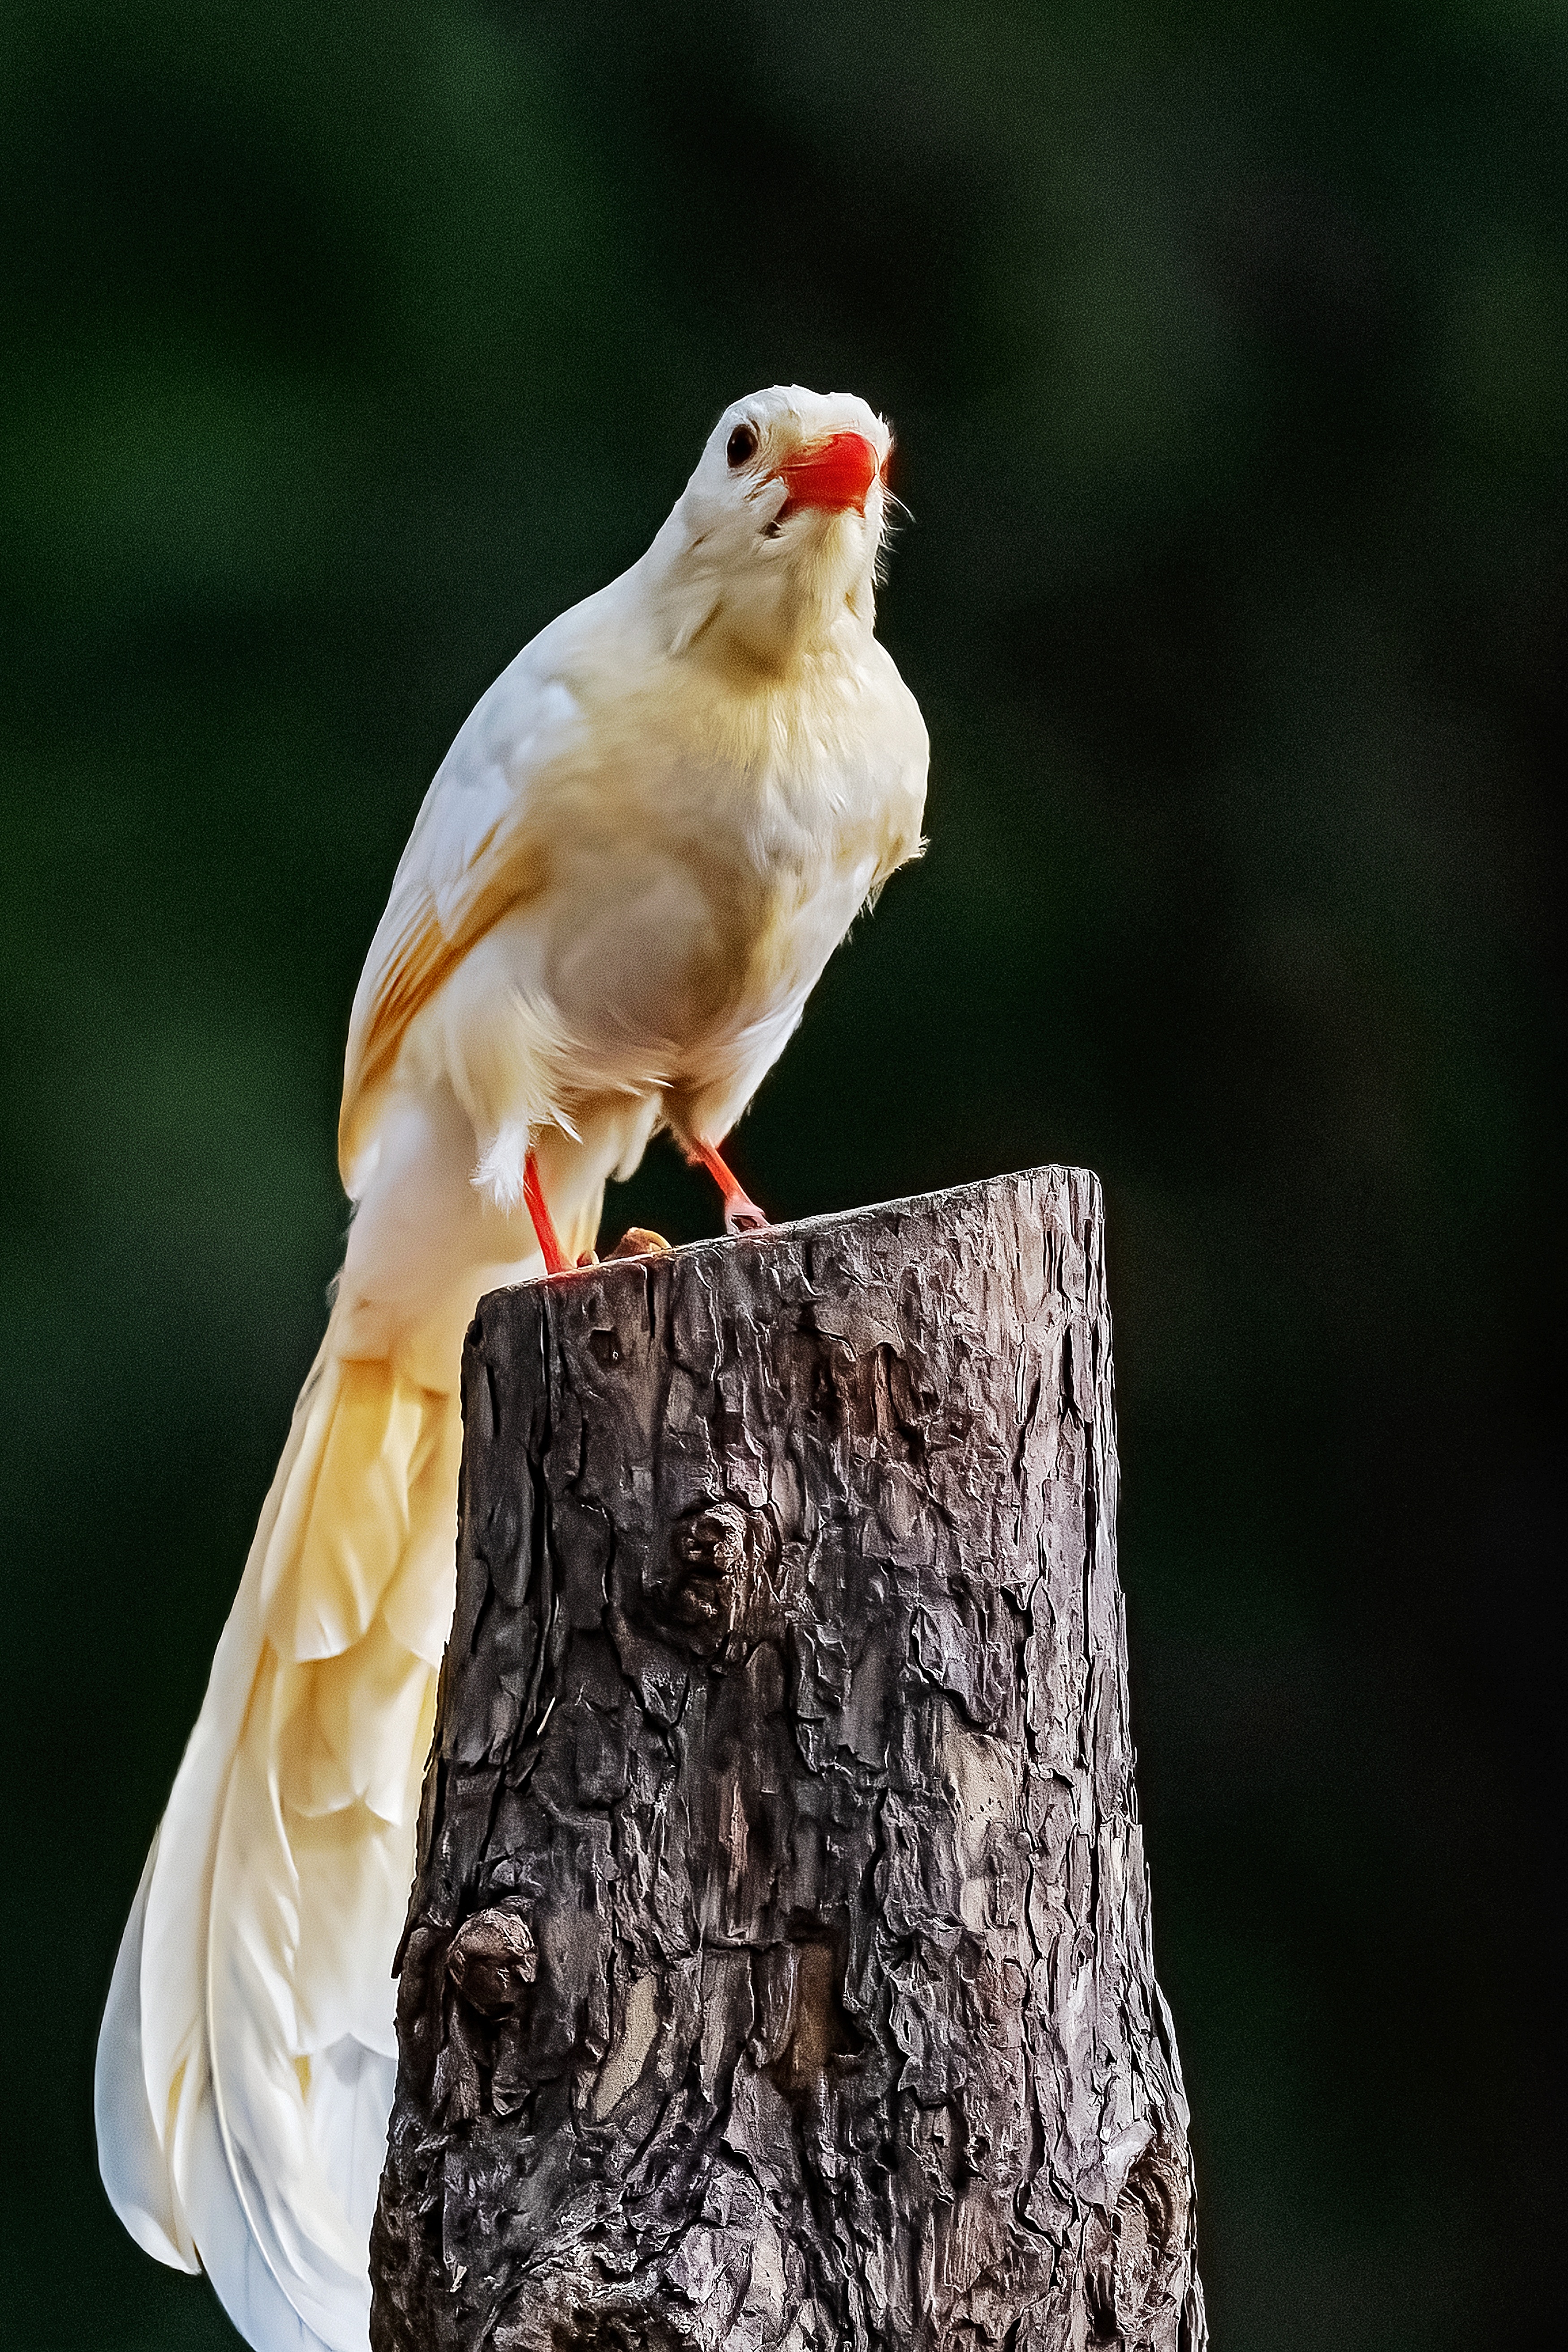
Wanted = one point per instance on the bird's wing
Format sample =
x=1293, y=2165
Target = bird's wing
x=472, y=856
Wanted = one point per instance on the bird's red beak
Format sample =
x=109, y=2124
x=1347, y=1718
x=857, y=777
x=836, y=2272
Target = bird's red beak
x=835, y=473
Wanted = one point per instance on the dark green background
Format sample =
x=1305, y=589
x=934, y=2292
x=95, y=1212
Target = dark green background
x=1228, y=351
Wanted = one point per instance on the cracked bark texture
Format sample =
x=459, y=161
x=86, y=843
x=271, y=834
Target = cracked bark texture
x=778, y=1971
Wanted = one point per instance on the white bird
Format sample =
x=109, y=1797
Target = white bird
x=630, y=869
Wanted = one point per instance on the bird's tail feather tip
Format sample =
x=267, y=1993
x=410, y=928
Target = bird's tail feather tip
x=132, y=2163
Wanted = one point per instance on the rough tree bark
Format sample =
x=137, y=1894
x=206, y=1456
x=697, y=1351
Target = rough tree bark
x=778, y=1969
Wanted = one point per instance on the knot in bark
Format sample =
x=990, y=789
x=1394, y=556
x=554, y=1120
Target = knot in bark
x=492, y=1963
x=491, y=1968
x=726, y=1590
x=1138, y=2272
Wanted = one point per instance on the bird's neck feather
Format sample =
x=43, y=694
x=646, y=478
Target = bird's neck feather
x=752, y=620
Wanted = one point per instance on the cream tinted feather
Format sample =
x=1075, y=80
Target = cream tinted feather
x=468, y=862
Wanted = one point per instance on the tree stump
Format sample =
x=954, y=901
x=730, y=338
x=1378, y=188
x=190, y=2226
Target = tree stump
x=778, y=1970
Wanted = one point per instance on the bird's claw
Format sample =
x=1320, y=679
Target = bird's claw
x=640, y=1241
x=741, y=1214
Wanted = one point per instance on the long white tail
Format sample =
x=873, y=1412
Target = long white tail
x=246, y=2063
x=247, y=2054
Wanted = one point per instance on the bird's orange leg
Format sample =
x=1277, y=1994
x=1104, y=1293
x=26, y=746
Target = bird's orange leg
x=543, y=1226
x=741, y=1214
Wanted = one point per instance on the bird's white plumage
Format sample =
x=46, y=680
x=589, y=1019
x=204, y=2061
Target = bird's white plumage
x=642, y=847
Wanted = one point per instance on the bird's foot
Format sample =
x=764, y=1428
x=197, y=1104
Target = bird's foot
x=637, y=1240
x=741, y=1214
x=640, y=1241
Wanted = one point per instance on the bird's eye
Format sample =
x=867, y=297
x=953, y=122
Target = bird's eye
x=742, y=445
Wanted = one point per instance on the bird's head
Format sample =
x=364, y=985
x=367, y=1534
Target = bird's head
x=776, y=536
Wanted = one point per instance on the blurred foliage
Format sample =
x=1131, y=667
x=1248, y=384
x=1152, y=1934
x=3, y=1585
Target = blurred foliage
x=1228, y=353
